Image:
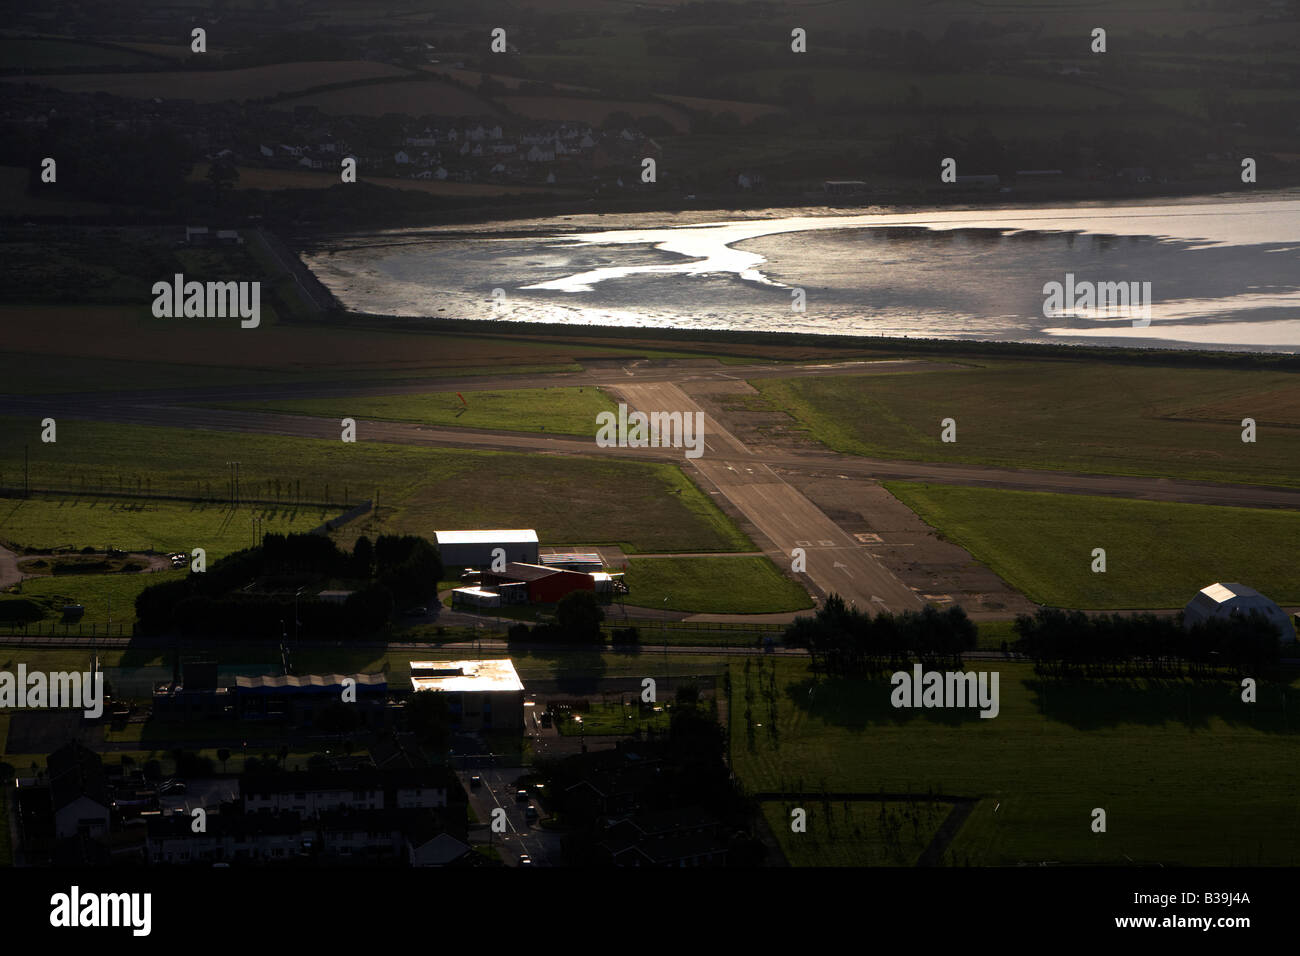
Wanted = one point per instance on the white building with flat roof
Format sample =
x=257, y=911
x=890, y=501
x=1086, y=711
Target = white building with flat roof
x=482, y=695
x=478, y=549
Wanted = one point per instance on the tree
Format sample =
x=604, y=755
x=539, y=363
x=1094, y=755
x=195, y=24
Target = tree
x=221, y=176
x=579, y=616
x=223, y=754
x=363, y=558
x=428, y=716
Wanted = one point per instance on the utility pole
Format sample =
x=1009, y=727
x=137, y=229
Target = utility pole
x=25, y=449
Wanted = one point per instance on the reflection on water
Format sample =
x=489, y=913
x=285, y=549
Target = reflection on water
x=1223, y=273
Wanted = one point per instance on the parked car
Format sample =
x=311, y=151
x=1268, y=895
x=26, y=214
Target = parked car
x=171, y=787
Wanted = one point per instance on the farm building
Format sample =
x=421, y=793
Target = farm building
x=545, y=585
x=482, y=695
x=573, y=562
x=1225, y=600
x=474, y=549
x=475, y=597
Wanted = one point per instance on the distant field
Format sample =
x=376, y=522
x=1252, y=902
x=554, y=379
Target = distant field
x=414, y=98
x=575, y=501
x=1146, y=752
x=253, y=178
x=564, y=411
x=591, y=111
x=722, y=585
x=210, y=86
x=1158, y=554
x=141, y=524
x=1106, y=419
x=15, y=200
x=745, y=112
x=32, y=53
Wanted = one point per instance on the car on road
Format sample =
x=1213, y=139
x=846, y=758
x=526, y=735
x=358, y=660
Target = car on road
x=525, y=859
x=530, y=812
x=476, y=781
x=521, y=795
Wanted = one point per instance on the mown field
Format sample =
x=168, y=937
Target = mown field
x=1158, y=553
x=415, y=98
x=109, y=599
x=722, y=585
x=570, y=501
x=1064, y=416
x=1186, y=772
x=563, y=410
x=145, y=524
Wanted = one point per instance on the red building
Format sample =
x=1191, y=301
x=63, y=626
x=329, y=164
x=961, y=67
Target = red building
x=545, y=585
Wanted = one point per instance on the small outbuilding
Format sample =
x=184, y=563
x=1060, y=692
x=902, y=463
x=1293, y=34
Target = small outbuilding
x=1226, y=599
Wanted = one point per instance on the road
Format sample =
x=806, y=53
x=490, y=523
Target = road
x=497, y=792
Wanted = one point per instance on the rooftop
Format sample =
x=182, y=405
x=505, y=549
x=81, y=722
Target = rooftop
x=497, y=674
x=516, y=536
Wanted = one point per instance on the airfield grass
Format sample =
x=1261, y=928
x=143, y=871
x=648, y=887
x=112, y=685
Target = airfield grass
x=569, y=501
x=562, y=410
x=855, y=833
x=146, y=524
x=1186, y=772
x=1158, y=554
x=1062, y=416
x=713, y=585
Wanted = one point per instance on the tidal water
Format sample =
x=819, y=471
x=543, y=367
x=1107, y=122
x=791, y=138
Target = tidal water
x=1223, y=272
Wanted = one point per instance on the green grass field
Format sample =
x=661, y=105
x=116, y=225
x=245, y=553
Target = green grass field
x=736, y=585
x=107, y=598
x=639, y=506
x=1186, y=772
x=856, y=833
x=566, y=411
x=1065, y=416
x=1158, y=554
x=615, y=718
x=144, y=524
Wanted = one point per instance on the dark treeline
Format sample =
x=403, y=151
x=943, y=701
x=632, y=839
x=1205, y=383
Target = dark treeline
x=1070, y=644
x=578, y=616
x=846, y=642
x=250, y=594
